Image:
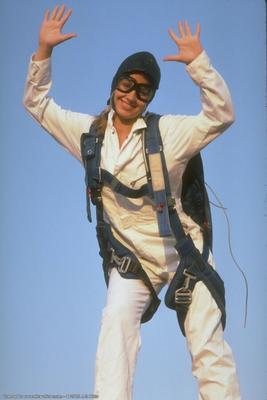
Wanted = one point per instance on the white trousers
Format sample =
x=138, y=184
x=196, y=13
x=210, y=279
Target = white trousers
x=119, y=341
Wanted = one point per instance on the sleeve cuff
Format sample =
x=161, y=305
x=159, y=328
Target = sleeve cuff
x=40, y=71
x=198, y=68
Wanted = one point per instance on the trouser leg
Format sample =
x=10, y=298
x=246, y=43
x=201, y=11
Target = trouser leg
x=119, y=339
x=212, y=360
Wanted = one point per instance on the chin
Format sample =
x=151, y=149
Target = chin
x=127, y=115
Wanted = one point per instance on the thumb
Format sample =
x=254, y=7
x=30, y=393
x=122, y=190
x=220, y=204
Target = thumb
x=68, y=36
x=172, y=58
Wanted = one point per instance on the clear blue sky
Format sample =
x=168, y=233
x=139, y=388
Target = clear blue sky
x=51, y=288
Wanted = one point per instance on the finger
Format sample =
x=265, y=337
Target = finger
x=54, y=13
x=197, y=33
x=181, y=29
x=173, y=35
x=187, y=29
x=46, y=16
x=66, y=17
x=61, y=12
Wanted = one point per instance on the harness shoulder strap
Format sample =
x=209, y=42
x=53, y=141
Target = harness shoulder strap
x=154, y=156
x=168, y=219
x=91, y=143
x=194, y=196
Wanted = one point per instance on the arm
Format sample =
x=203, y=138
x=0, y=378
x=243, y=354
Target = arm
x=65, y=126
x=189, y=134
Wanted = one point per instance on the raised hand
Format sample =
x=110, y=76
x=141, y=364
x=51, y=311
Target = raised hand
x=50, y=34
x=189, y=46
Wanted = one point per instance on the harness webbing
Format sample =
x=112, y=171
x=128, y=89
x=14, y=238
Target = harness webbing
x=193, y=266
x=154, y=152
x=153, y=144
x=119, y=187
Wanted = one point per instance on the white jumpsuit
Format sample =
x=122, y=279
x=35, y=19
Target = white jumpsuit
x=134, y=223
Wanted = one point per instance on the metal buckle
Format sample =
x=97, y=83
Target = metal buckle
x=125, y=262
x=99, y=174
x=171, y=203
x=122, y=263
x=183, y=296
x=188, y=276
x=114, y=258
x=95, y=195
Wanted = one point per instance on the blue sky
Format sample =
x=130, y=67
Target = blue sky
x=52, y=289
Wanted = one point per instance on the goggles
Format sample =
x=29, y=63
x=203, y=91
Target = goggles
x=144, y=92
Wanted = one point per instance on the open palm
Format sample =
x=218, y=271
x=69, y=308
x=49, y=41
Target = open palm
x=50, y=32
x=189, y=45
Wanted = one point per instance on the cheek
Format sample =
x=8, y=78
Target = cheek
x=117, y=96
x=143, y=106
x=113, y=100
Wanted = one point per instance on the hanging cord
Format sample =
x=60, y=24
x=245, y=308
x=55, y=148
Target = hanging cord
x=221, y=206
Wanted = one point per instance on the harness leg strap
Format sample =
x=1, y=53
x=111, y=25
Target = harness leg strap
x=127, y=263
x=192, y=269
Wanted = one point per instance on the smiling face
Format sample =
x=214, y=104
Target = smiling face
x=128, y=106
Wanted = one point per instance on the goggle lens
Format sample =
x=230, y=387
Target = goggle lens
x=143, y=91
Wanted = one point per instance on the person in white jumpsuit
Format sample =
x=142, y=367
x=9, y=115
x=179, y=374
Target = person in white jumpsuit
x=133, y=221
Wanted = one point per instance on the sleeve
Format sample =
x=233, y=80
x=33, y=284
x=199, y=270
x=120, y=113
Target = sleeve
x=64, y=125
x=187, y=135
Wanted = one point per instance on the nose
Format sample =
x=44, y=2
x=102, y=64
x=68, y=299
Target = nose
x=131, y=96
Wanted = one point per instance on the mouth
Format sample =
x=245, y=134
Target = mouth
x=127, y=105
